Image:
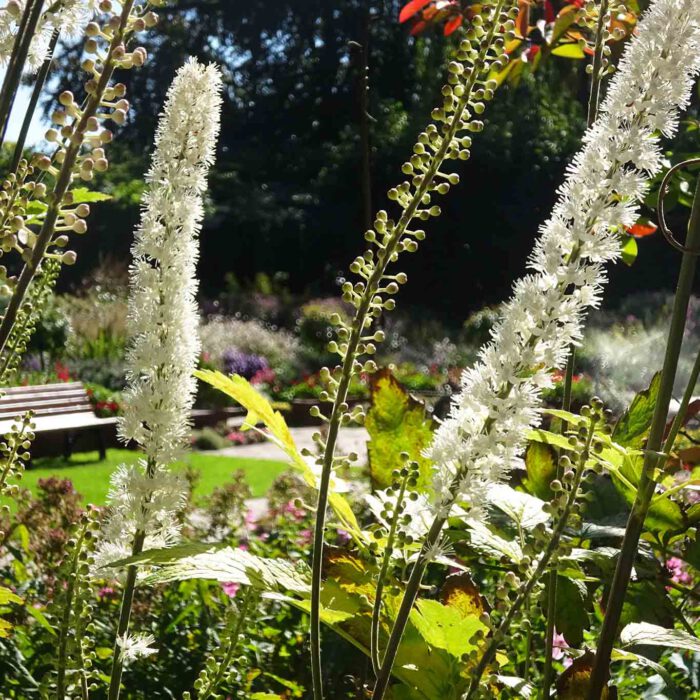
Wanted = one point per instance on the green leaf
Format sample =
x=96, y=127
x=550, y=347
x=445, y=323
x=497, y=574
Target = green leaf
x=7, y=596
x=524, y=510
x=646, y=602
x=653, y=635
x=541, y=468
x=260, y=410
x=396, y=423
x=633, y=427
x=631, y=657
x=82, y=195
x=569, y=51
x=571, y=614
x=444, y=627
x=40, y=618
x=629, y=250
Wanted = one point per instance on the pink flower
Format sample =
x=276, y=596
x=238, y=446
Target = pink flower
x=251, y=521
x=559, y=644
x=679, y=574
x=106, y=592
x=230, y=588
x=305, y=536
x=290, y=509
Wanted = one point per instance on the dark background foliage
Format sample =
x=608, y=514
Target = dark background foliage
x=286, y=192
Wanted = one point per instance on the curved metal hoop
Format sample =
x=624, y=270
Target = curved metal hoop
x=663, y=191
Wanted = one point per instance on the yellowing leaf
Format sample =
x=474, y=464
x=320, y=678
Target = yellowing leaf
x=569, y=51
x=7, y=596
x=260, y=410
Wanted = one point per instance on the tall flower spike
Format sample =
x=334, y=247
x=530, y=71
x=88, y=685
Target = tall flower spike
x=482, y=439
x=164, y=342
x=68, y=17
x=163, y=317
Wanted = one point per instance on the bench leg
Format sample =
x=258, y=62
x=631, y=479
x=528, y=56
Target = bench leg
x=101, y=445
x=68, y=441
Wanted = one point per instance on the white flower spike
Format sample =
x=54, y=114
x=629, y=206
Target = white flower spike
x=483, y=438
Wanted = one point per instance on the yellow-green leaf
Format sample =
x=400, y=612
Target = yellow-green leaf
x=7, y=596
x=569, y=51
x=260, y=410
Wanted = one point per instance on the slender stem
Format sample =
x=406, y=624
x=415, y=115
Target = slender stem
x=542, y=565
x=34, y=100
x=63, y=182
x=347, y=371
x=125, y=609
x=409, y=598
x=377, y=609
x=679, y=418
x=597, y=75
x=593, y=106
x=647, y=484
x=216, y=680
x=20, y=49
x=64, y=631
x=124, y=617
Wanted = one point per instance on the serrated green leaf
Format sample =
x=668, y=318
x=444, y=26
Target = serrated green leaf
x=396, y=423
x=524, y=510
x=652, y=635
x=633, y=427
x=571, y=614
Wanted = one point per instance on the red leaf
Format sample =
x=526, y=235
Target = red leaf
x=549, y=14
x=418, y=27
x=452, y=25
x=641, y=229
x=411, y=8
x=523, y=20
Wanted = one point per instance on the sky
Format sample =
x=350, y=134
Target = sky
x=39, y=124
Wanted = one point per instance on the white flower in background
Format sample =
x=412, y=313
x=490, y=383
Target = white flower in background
x=69, y=17
x=136, y=646
x=163, y=319
x=164, y=345
x=482, y=439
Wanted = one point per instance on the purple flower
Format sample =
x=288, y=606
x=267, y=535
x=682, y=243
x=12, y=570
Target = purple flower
x=247, y=366
x=230, y=588
x=679, y=574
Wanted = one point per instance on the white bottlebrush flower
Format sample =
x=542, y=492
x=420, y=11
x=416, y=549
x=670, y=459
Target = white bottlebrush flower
x=164, y=344
x=163, y=320
x=483, y=437
x=68, y=17
x=135, y=646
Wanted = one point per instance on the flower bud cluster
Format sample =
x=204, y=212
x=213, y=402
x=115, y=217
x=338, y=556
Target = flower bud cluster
x=14, y=455
x=27, y=317
x=448, y=137
x=71, y=614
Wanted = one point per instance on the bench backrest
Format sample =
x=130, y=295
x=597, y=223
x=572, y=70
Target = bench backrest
x=45, y=400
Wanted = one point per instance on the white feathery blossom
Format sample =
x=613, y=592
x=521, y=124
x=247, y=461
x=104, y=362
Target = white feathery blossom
x=69, y=17
x=163, y=321
x=135, y=646
x=482, y=439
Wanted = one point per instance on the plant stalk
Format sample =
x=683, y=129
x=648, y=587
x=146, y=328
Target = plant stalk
x=647, y=484
x=62, y=184
x=358, y=326
x=34, y=100
x=490, y=651
x=20, y=49
x=593, y=106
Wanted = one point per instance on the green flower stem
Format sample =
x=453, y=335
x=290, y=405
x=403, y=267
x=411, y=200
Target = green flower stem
x=542, y=565
x=409, y=598
x=593, y=106
x=125, y=610
x=232, y=646
x=64, y=628
x=63, y=181
x=376, y=611
x=33, y=101
x=20, y=49
x=647, y=483
x=360, y=322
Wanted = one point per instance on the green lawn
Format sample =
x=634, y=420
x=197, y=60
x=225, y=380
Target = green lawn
x=91, y=477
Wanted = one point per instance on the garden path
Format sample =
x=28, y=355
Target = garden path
x=350, y=440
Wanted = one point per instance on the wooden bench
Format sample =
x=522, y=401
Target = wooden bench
x=58, y=409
